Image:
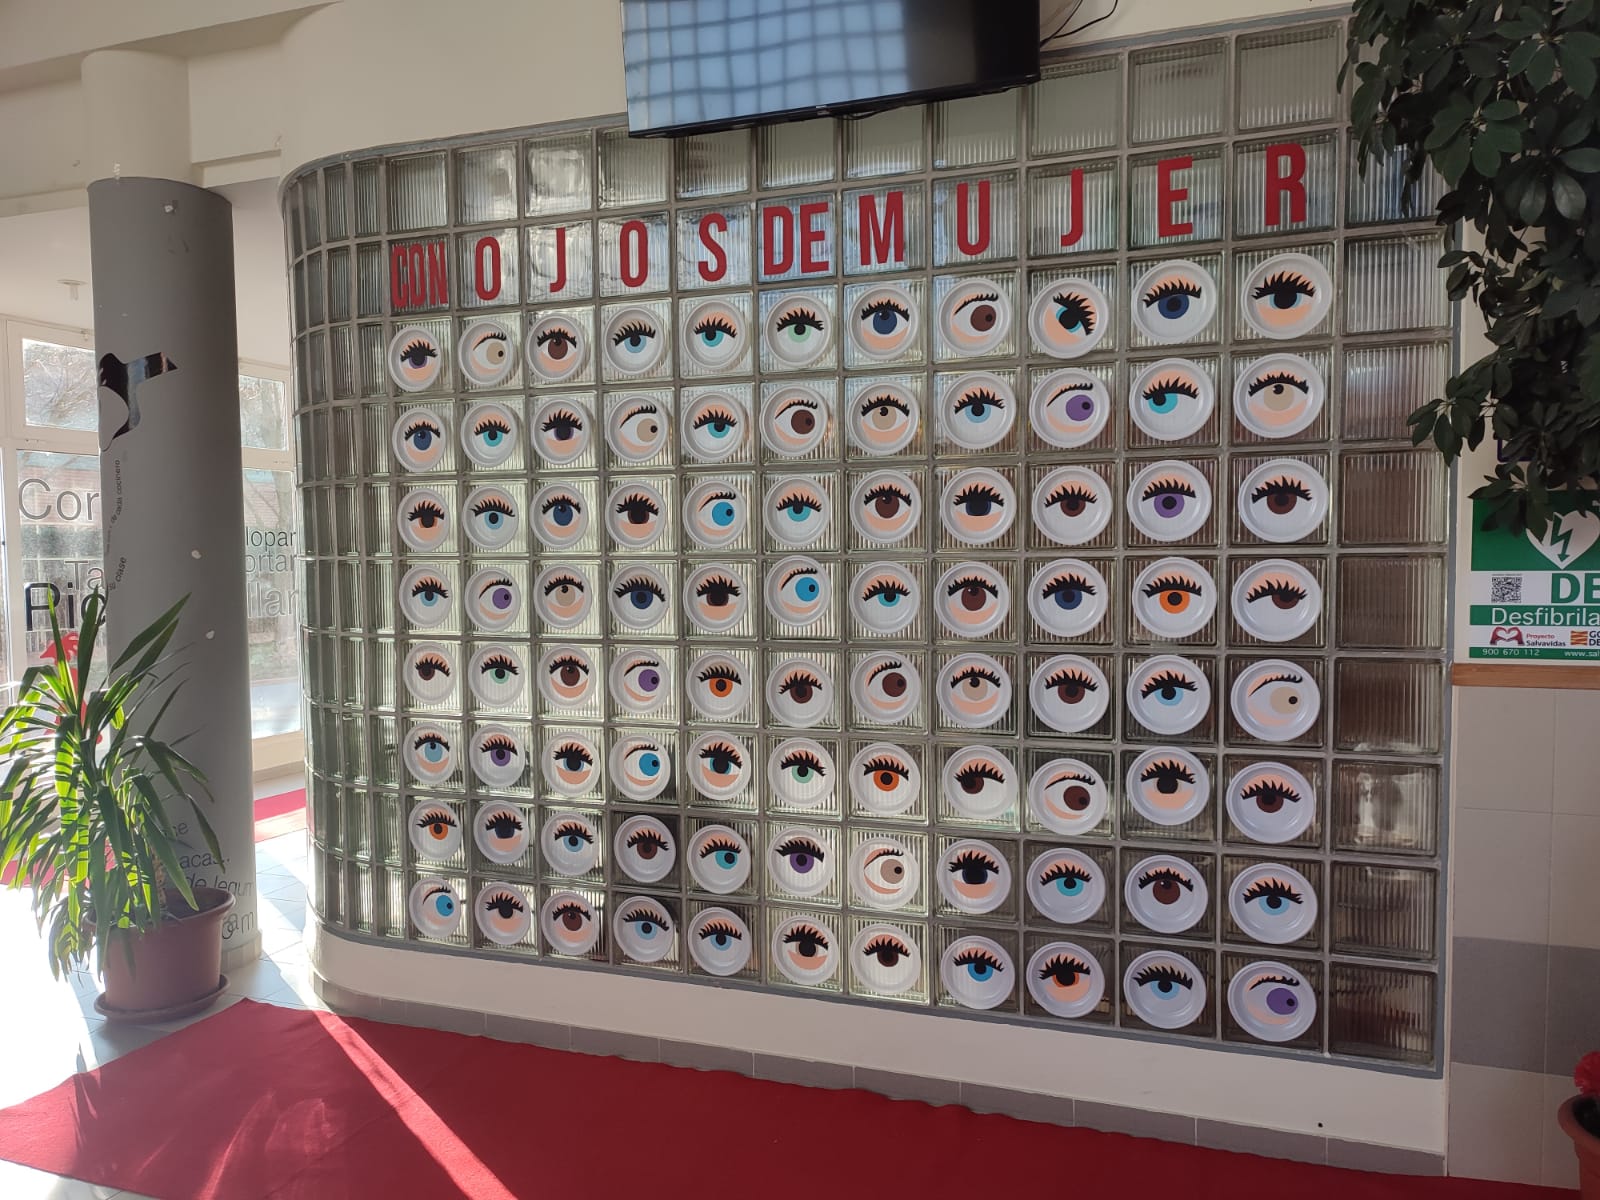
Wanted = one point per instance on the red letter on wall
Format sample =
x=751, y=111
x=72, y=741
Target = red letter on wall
x=560, y=281
x=634, y=258
x=1286, y=180
x=883, y=237
x=777, y=239
x=397, y=279
x=1074, y=233
x=968, y=241
x=1169, y=197
x=812, y=238
x=416, y=276
x=486, y=268
x=438, y=274
x=715, y=266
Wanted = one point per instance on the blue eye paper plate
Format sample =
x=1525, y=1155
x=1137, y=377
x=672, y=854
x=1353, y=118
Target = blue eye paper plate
x=1273, y=903
x=1164, y=989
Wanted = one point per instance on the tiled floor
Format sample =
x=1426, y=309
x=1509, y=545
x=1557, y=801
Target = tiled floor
x=64, y=1034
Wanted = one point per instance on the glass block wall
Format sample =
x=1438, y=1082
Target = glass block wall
x=966, y=558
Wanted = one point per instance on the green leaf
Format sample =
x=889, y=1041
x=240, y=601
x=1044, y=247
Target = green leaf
x=1531, y=207
x=1485, y=157
x=1501, y=110
x=1542, y=67
x=1452, y=160
x=1585, y=160
x=1569, y=197
x=1582, y=41
x=1577, y=68
x=1521, y=55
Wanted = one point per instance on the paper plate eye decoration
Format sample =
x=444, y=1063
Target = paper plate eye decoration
x=560, y=516
x=1277, y=600
x=557, y=348
x=563, y=597
x=883, y=419
x=797, y=511
x=972, y=599
x=716, y=513
x=1275, y=700
x=884, y=779
x=886, y=506
x=424, y=520
x=885, y=960
x=502, y=914
x=886, y=688
x=798, y=332
x=800, y=772
x=978, y=506
x=1287, y=296
x=1168, y=695
x=1172, y=399
x=418, y=439
x=635, y=515
x=800, y=861
x=486, y=354
x=639, y=597
x=1068, y=796
x=718, y=686
x=884, y=324
x=1065, y=886
x=800, y=693
x=570, y=765
x=571, y=844
x=500, y=833
x=1174, y=301
x=1272, y=1001
x=714, y=335
x=643, y=927
x=1168, y=786
x=566, y=676
x=1169, y=500
x=498, y=756
x=805, y=951
x=1068, y=597
x=1072, y=505
x=641, y=768
x=489, y=434
x=491, y=518
x=435, y=831
x=716, y=598
x=1279, y=396
x=561, y=431
x=641, y=681
x=495, y=676
x=569, y=924
x=646, y=850
x=1283, y=500
x=719, y=941
x=884, y=873
x=975, y=318
x=634, y=342
x=425, y=596
x=977, y=411
x=1271, y=803
x=1273, y=903
x=719, y=859
x=1065, y=980
x=1174, y=597
x=435, y=908
x=429, y=673
x=719, y=766
x=1069, y=693
x=430, y=754
x=637, y=428
x=979, y=782
x=885, y=597
x=974, y=691
x=974, y=877
x=414, y=359
x=1069, y=317
x=799, y=591
x=1166, y=894
x=713, y=427
x=977, y=972
x=1069, y=408
x=794, y=420
x=1164, y=989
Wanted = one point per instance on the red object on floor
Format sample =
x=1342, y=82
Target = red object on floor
x=266, y=1103
x=280, y=814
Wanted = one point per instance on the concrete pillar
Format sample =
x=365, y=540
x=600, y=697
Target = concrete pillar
x=137, y=107
x=166, y=340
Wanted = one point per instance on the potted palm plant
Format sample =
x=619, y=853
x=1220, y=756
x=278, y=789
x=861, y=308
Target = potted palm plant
x=95, y=810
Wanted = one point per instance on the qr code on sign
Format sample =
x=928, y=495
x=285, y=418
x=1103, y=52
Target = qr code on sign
x=1505, y=589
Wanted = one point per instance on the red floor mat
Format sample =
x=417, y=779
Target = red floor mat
x=261, y=1102
x=280, y=814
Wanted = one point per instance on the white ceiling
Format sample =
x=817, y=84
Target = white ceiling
x=37, y=250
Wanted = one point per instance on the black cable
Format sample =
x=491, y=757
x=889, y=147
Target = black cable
x=1108, y=15
x=1065, y=21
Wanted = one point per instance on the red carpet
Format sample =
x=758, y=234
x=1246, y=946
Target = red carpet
x=280, y=814
x=261, y=1102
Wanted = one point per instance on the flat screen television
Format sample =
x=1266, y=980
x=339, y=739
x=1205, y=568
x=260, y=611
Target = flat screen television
x=698, y=65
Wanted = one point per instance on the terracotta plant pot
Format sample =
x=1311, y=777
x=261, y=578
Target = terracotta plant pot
x=1587, y=1146
x=175, y=969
